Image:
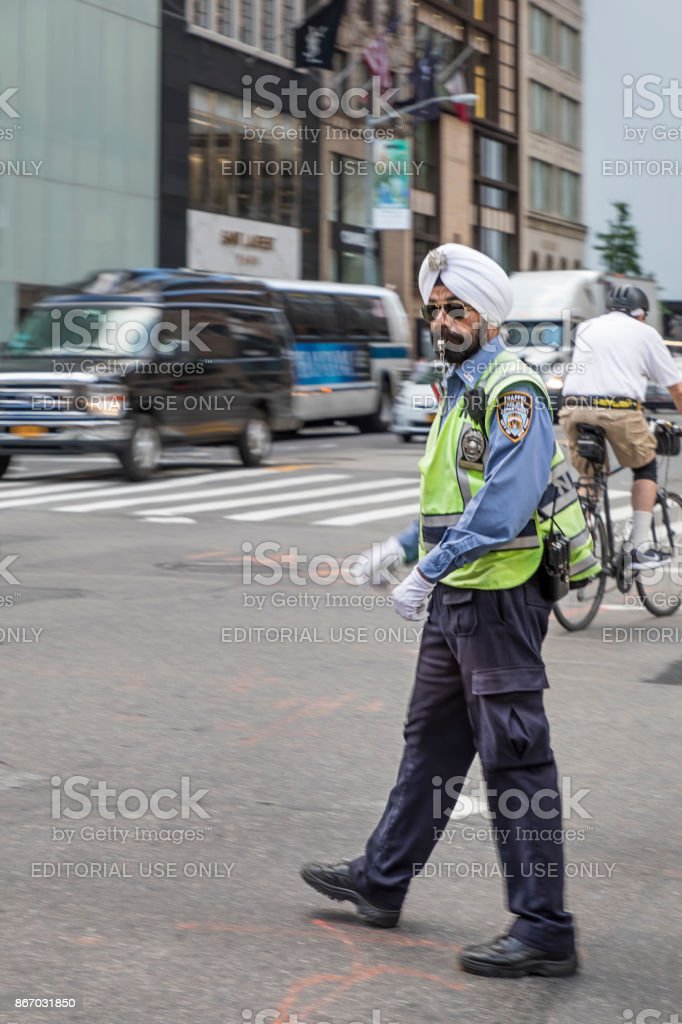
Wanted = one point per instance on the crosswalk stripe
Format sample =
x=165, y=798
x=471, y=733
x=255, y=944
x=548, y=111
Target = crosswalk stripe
x=41, y=495
x=315, y=492
x=33, y=490
x=248, y=490
x=137, y=491
x=368, y=517
x=289, y=510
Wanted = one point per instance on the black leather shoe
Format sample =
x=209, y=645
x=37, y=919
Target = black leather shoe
x=507, y=957
x=335, y=882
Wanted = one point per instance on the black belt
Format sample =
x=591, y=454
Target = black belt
x=602, y=402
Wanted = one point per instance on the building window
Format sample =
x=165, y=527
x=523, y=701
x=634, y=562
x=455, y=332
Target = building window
x=570, y=195
x=495, y=161
x=541, y=33
x=569, y=121
x=481, y=108
x=541, y=186
x=569, y=48
x=479, y=10
x=498, y=245
x=218, y=153
x=541, y=108
x=549, y=263
x=265, y=24
x=534, y=261
x=200, y=13
x=426, y=144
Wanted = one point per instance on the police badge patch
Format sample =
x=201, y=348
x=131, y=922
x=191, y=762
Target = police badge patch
x=514, y=412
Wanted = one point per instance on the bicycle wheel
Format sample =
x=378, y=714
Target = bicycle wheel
x=579, y=607
x=660, y=588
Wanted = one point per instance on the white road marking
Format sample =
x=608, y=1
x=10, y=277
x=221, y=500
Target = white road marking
x=247, y=490
x=289, y=510
x=140, y=490
x=372, y=516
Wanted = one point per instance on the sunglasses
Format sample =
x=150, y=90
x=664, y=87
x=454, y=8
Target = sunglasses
x=453, y=308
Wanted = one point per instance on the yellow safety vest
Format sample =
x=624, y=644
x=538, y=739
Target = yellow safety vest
x=452, y=472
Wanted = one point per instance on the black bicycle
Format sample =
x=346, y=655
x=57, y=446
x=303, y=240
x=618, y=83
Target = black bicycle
x=659, y=587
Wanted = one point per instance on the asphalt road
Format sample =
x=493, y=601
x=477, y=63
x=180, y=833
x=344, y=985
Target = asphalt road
x=124, y=662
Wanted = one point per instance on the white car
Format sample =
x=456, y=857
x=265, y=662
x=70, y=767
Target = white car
x=415, y=406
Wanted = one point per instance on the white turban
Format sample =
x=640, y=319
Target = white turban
x=471, y=277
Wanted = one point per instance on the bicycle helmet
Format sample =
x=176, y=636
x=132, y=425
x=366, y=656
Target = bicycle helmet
x=628, y=299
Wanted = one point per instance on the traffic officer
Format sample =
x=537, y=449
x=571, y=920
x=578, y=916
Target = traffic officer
x=493, y=480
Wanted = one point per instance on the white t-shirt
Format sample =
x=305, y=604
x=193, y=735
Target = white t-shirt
x=615, y=355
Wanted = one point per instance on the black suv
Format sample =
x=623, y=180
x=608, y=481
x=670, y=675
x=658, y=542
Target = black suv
x=130, y=361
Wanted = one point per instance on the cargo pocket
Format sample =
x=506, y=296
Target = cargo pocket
x=461, y=611
x=508, y=718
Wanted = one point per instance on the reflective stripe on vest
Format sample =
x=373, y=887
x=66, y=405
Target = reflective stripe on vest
x=450, y=480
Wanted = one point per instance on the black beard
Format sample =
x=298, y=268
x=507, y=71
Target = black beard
x=459, y=345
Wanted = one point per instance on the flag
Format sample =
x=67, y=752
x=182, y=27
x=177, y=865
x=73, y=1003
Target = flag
x=316, y=36
x=424, y=83
x=378, y=60
x=454, y=86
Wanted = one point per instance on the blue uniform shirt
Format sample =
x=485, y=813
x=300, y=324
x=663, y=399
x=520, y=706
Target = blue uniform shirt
x=516, y=476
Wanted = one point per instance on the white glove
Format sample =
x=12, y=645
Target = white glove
x=411, y=597
x=374, y=565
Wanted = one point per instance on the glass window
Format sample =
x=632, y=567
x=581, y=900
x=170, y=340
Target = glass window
x=481, y=108
x=211, y=329
x=226, y=17
x=353, y=196
x=363, y=316
x=217, y=151
x=426, y=144
x=498, y=245
x=541, y=185
x=254, y=332
x=541, y=108
x=541, y=33
x=200, y=13
x=570, y=195
x=569, y=121
x=569, y=48
x=269, y=26
x=496, y=198
x=494, y=160
x=312, y=315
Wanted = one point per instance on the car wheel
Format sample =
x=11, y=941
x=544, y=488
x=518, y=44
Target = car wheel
x=141, y=456
x=4, y=463
x=405, y=438
x=255, y=442
x=380, y=420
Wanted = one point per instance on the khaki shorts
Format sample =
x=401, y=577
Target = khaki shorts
x=626, y=430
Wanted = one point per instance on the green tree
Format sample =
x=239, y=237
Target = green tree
x=620, y=244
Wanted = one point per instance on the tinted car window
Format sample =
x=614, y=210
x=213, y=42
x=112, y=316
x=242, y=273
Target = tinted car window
x=255, y=333
x=363, y=316
x=209, y=334
x=312, y=315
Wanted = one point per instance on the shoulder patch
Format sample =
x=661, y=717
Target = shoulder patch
x=514, y=413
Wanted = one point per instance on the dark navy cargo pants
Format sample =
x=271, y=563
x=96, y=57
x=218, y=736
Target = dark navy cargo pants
x=479, y=689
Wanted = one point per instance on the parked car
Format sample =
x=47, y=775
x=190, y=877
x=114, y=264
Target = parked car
x=415, y=407
x=132, y=361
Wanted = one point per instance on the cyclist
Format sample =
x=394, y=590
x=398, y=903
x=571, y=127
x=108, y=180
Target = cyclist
x=605, y=387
